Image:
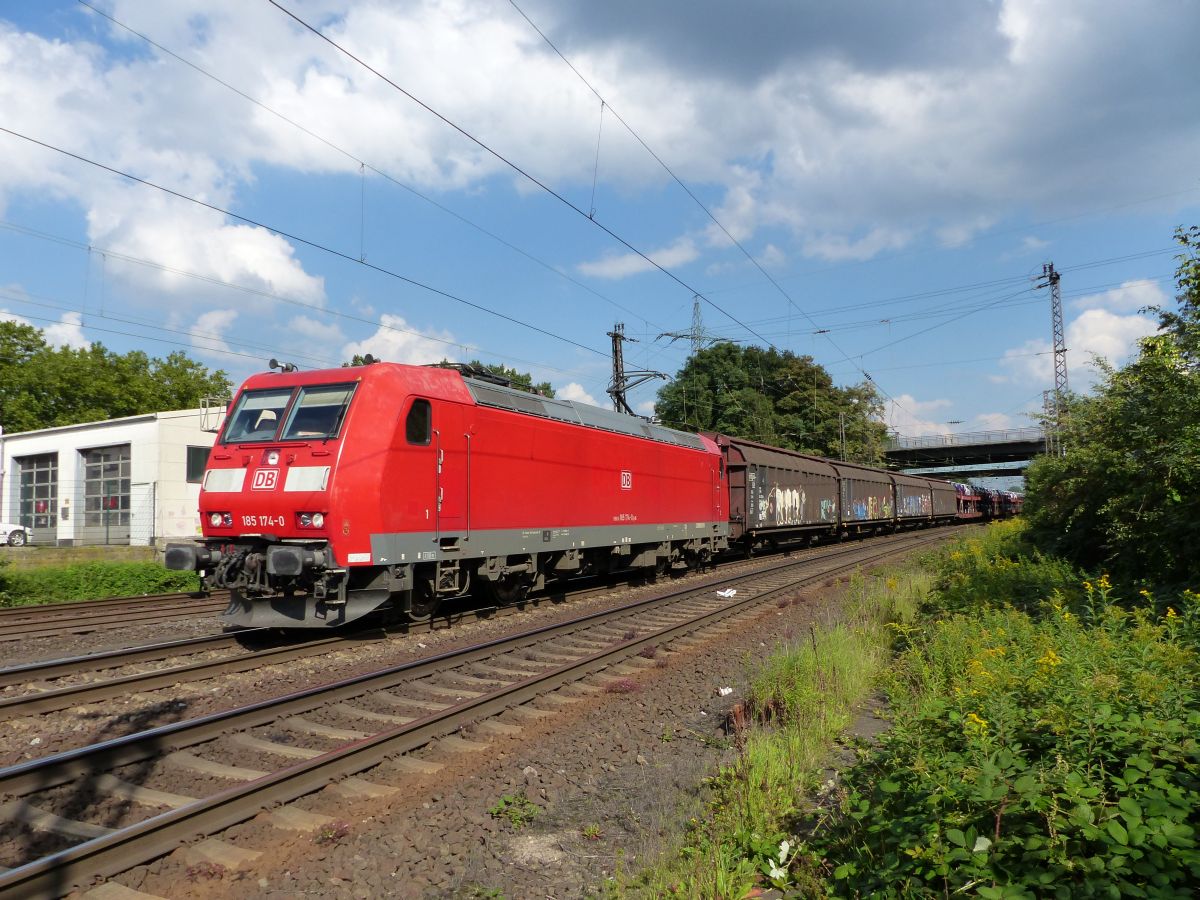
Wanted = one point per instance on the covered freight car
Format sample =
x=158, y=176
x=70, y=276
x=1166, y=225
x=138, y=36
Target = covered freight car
x=868, y=498
x=776, y=495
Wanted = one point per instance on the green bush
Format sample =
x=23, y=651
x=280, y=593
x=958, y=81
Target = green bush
x=1032, y=758
x=91, y=581
x=1001, y=566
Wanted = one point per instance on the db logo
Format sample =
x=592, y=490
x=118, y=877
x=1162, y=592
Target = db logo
x=265, y=480
x=627, y=481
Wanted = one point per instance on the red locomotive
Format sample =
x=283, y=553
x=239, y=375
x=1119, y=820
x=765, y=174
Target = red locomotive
x=331, y=494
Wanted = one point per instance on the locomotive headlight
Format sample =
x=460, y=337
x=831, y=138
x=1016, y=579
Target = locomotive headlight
x=273, y=458
x=305, y=520
x=318, y=520
x=215, y=520
x=218, y=519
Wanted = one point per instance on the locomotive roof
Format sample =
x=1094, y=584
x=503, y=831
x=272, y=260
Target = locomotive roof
x=519, y=401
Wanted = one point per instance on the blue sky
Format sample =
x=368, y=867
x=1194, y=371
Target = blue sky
x=894, y=176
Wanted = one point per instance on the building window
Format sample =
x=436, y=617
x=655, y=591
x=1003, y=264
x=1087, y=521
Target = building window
x=39, y=490
x=197, y=461
x=106, y=486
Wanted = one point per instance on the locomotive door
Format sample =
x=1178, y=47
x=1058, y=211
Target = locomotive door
x=451, y=472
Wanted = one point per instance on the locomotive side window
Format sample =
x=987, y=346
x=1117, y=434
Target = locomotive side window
x=418, y=427
x=256, y=416
x=318, y=412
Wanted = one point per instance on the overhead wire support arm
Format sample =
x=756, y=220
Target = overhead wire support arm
x=624, y=380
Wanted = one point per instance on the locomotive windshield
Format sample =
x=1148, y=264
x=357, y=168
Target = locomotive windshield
x=307, y=413
x=318, y=412
x=257, y=415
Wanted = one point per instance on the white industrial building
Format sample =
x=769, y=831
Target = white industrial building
x=134, y=480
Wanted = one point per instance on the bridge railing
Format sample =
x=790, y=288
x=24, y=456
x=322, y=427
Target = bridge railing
x=967, y=438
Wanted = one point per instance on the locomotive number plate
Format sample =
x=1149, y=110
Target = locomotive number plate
x=263, y=521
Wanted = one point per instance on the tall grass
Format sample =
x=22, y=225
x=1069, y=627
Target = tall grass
x=801, y=698
x=1046, y=750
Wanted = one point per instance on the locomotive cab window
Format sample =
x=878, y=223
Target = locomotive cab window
x=418, y=427
x=318, y=412
x=256, y=416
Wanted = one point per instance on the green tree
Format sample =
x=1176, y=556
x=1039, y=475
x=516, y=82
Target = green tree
x=1123, y=494
x=777, y=398
x=43, y=386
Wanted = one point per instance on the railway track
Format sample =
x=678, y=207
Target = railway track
x=56, y=619
x=99, y=810
x=59, y=684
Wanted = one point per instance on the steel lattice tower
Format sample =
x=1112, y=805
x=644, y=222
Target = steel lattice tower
x=1051, y=279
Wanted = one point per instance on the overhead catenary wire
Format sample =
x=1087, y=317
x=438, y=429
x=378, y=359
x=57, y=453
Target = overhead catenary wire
x=301, y=240
x=513, y=166
x=708, y=212
x=364, y=166
x=109, y=253
x=139, y=336
x=964, y=288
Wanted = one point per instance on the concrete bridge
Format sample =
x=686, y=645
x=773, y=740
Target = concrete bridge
x=970, y=454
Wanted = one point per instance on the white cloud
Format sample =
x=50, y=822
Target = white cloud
x=1129, y=297
x=623, y=265
x=931, y=124
x=396, y=341
x=1100, y=330
x=772, y=257
x=574, y=391
x=908, y=415
x=66, y=332
x=840, y=247
x=1032, y=362
x=993, y=422
x=208, y=333
x=321, y=334
x=961, y=233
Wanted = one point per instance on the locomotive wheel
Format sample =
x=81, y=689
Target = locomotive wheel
x=508, y=590
x=424, y=603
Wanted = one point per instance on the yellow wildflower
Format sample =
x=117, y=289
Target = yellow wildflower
x=1050, y=659
x=977, y=669
x=975, y=723
x=1171, y=614
x=1104, y=583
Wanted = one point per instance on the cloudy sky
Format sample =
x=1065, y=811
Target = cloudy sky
x=873, y=183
